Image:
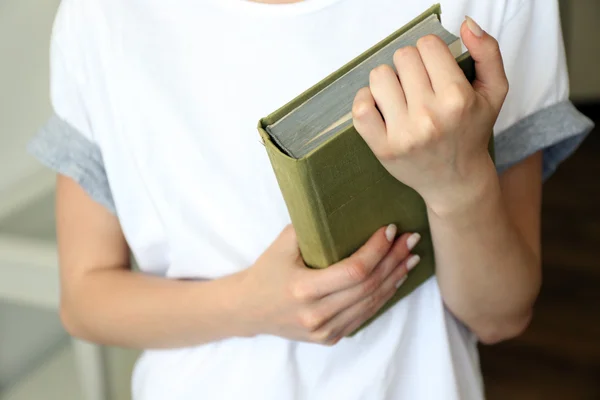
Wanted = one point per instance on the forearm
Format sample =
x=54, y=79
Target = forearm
x=488, y=274
x=122, y=308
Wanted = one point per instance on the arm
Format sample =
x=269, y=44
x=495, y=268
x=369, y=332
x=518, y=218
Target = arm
x=488, y=253
x=431, y=132
x=102, y=300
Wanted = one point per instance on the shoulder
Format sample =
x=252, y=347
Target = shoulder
x=67, y=143
x=72, y=28
x=74, y=62
x=537, y=114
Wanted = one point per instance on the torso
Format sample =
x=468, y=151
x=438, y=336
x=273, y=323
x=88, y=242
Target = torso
x=180, y=92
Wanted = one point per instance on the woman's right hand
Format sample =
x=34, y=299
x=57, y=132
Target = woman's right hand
x=282, y=297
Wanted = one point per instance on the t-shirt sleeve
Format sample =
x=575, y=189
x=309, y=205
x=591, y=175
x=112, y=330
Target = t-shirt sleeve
x=537, y=114
x=66, y=142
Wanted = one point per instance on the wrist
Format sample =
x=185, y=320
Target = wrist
x=232, y=298
x=461, y=196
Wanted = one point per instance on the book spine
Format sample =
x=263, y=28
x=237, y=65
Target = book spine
x=303, y=204
x=329, y=254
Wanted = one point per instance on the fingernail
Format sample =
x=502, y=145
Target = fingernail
x=390, y=232
x=412, y=262
x=412, y=241
x=401, y=281
x=474, y=27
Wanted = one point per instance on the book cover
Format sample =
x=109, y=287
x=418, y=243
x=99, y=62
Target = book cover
x=339, y=194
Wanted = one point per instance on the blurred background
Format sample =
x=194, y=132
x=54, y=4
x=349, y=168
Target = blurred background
x=557, y=358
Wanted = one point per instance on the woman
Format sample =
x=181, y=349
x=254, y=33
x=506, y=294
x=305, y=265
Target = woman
x=154, y=143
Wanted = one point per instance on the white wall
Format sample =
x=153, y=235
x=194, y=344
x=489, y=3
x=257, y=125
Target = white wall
x=26, y=334
x=25, y=27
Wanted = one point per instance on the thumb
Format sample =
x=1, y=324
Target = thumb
x=491, y=81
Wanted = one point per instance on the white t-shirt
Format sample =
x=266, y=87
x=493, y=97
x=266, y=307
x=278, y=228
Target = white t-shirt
x=156, y=109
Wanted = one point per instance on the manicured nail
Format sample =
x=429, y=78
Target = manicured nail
x=401, y=281
x=390, y=232
x=412, y=262
x=412, y=241
x=474, y=27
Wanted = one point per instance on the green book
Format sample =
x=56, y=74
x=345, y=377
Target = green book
x=336, y=191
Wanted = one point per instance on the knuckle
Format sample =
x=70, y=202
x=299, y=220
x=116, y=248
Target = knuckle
x=494, y=47
x=309, y=320
x=400, y=254
x=371, y=303
x=428, y=126
x=381, y=248
x=322, y=336
x=382, y=299
x=361, y=109
x=406, y=146
x=371, y=284
x=457, y=100
x=427, y=40
x=404, y=53
x=299, y=292
x=357, y=270
x=380, y=71
x=397, y=255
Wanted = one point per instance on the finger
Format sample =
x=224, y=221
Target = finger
x=413, y=76
x=491, y=81
x=351, y=270
x=355, y=315
x=333, y=304
x=357, y=323
x=389, y=288
x=441, y=65
x=368, y=121
x=388, y=94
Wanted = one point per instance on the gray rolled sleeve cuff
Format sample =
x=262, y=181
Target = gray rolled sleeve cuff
x=557, y=131
x=63, y=149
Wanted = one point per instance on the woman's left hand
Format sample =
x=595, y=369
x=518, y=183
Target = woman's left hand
x=428, y=125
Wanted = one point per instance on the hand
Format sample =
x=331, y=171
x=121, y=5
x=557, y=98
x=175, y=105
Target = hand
x=282, y=297
x=433, y=130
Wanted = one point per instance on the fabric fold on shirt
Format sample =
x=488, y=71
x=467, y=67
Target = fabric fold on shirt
x=557, y=130
x=60, y=147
